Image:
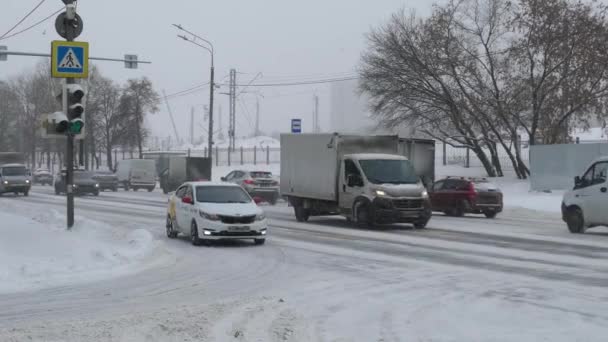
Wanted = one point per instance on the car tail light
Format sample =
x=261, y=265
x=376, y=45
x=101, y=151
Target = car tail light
x=248, y=181
x=471, y=193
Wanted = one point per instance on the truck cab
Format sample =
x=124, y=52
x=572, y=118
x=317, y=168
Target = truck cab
x=382, y=189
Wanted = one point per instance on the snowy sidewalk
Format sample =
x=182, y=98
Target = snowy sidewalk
x=38, y=252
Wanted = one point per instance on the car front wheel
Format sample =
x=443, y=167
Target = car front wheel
x=196, y=241
x=259, y=241
x=575, y=221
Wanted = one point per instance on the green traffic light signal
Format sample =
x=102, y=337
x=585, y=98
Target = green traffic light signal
x=76, y=126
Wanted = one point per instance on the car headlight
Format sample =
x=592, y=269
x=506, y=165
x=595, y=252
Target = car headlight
x=380, y=193
x=5, y=182
x=75, y=186
x=27, y=181
x=260, y=217
x=97, y=185
x=424, y=194
x=210, y=217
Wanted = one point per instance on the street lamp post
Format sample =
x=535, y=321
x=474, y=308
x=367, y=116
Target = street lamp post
x=211, y=87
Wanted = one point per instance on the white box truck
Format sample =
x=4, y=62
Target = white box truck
x=362, y=178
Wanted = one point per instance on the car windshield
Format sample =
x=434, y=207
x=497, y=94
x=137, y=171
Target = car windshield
x=387, y=171
x=14, y=171
x=260, y=174
x=221, y=194
x=84, y=175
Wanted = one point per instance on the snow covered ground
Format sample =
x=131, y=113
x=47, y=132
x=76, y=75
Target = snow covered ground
x=38, y=252
x=519, y=277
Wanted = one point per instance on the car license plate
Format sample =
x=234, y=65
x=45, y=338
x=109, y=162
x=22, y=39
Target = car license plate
x=238, y=229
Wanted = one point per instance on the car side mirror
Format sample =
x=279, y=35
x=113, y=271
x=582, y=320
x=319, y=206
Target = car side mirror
x=187, y=200
x=577, y=180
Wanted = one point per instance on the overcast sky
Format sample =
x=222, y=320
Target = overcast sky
x=284, y=40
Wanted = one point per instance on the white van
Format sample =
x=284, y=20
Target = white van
x=136, y=174
x=585, y=206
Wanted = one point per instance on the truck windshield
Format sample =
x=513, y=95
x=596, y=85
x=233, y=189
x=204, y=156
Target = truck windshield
x=385, y=171
x=13, y=171
x=221, y=194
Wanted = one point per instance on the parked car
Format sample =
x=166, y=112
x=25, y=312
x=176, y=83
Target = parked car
x=207, y=211
x=257, y=183
x=84, y=183
x=107, y=180
x=42, y=176
x=15, y=178
x=585, y=205
x=137, y=174
x=456, y=196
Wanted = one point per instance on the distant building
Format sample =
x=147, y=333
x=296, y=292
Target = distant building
x=350, y=112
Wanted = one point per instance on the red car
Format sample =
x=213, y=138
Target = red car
x=456, y=196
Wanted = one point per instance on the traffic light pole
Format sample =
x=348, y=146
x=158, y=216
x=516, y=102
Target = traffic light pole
x=69, y=176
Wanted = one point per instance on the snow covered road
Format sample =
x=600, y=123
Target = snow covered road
x=521, y=277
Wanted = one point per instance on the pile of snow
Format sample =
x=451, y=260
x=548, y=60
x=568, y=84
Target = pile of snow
x=38, y=252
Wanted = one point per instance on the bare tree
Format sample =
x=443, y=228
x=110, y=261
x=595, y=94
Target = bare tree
x=138, y=99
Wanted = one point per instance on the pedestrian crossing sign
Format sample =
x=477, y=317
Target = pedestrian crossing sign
x=69, y=59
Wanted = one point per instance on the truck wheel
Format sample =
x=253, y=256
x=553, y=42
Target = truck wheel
x=96, y=193
x=575, y=221
x=421, y=224
x=114, y=189
x=27, y=193
x=363, y=215
x=150, y=189
x=490, y=214
x=302, y=214
x=126, y=186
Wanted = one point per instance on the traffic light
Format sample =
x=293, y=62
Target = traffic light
x=75, y=109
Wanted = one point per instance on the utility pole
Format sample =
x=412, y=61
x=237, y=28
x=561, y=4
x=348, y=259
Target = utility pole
x=257, y=117
x=232, y=120
x=192, y=126
x=315, y=116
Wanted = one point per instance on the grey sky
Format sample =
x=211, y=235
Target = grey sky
x=285, y=40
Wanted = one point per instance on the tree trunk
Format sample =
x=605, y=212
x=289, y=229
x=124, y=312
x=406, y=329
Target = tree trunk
x=483, y=158
x=109, y=159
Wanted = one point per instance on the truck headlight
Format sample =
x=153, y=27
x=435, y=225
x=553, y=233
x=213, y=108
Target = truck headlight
x=97, y=185
x=380, y=193
x=210, y=217
x=260, y=217
x=424, y=194
x=5, y=182
x=27, y=181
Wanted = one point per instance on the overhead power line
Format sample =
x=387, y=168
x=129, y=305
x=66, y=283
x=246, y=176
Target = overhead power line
x=23, y=19
x=33, y=25
x=287, y=84
x=188, y=91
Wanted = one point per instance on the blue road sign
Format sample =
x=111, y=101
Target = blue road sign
x=69, y=59
x=296, y=125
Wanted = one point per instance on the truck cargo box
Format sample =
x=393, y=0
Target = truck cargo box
x=310, y=162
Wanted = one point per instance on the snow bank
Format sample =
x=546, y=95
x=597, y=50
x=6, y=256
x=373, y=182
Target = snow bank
x=38, y=252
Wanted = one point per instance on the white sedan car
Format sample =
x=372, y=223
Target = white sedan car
x=208, y=211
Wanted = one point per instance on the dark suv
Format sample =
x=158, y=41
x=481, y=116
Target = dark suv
x=456, y=196
x=84, y=183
